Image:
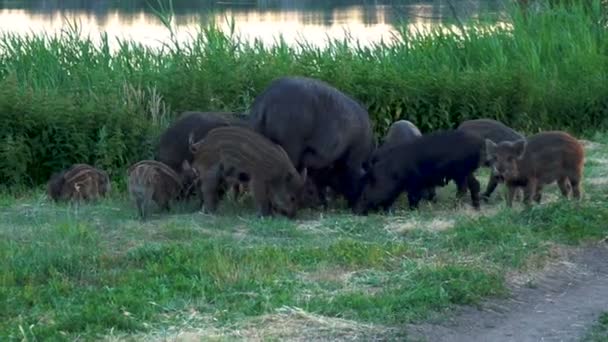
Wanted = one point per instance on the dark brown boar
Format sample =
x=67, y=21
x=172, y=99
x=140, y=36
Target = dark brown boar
x=173, y=148
x=80, y=182
x=497, y=132
x=151, y=180
x=539, y=160
x=242, y=154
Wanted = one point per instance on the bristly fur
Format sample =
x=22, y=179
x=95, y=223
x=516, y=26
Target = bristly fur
x=230, y=153
x=153, y=181
x=77, y=183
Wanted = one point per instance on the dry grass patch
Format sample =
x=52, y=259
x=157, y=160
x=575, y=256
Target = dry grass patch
x=295, y=324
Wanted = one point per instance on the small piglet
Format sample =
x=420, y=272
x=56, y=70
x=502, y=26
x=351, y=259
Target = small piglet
x=80, y=182
x=539, y=160
x=151, y=180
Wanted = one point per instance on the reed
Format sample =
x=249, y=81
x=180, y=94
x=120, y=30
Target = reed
x=66, y=99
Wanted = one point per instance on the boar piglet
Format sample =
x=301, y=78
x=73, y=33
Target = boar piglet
x=430, y=161
x=173, y=148
x=153, y=181
x=238, y=153
x=319, y=127
x=80, y=182
x=539, y=160
x=496, y=132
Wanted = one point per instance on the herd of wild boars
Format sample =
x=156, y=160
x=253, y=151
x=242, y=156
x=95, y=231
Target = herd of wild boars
x=303, y=138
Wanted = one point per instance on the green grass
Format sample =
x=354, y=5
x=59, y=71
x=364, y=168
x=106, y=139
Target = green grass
x=65, y=100
x=94, y=270
x=599, y=333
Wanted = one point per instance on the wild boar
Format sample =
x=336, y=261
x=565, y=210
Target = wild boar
x=541, y=159
x=402, y=131
x=497, y=132
x=153, y=181
x=429, y=161
x=242, y=154
x=80, y=182
x=173, y=148
x=399, y=132
x=319, y=127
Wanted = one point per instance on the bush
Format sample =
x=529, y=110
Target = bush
x=64, y=99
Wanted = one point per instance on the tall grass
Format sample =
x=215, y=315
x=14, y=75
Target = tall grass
x=65, y=99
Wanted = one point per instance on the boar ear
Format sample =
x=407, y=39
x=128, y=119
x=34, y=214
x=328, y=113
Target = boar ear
x=490, y=148
x=191, y=144
x=304, y=174
x=520, y=147
x=186, y=166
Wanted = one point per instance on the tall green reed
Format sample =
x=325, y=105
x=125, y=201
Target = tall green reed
x=65, y=98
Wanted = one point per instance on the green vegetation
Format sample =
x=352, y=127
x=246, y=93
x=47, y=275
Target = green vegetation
x=64, y=99
x=94, y=270
x=599, y=333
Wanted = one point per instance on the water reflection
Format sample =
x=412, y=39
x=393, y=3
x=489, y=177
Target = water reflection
x=315, y=21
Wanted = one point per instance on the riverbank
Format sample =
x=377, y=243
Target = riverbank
x=64, y=99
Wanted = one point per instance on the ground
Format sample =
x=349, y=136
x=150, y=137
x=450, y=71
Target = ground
x=444, y=272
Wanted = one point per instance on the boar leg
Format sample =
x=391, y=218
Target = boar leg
x=538, y=195
x=576, y=188
x=511, y=191
x=260, y=196
x=210, y=183
x=530, y=190
x=474, y=188
x=461, y=187
x=413, y=197
x=492, y=184
x=564, y=186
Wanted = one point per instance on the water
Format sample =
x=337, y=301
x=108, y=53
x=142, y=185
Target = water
x=310, y=20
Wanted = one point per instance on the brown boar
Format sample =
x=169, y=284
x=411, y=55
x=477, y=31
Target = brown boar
x=242, y=154
x=539, y=160
x=151, y=180
x=80, y=182
x=173, y=148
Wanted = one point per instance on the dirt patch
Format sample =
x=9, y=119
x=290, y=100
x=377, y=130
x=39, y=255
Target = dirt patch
x=445, y=219
x=329, y=274
x=558, y=305
x=287, y=323
x=294, y=324
x=597, y=180
x=400, y=226
x=590, y=145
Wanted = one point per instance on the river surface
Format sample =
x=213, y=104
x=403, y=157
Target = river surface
x=310, y=20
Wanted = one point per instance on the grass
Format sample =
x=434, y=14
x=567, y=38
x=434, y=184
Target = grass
x=95, y=271
x=65, y=99
x=599, y=333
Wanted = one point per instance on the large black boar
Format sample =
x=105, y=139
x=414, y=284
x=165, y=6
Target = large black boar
x=242, y=155
x=496, y=132
x=539, y=160
x=432, y=160
x=80, y=182
x=319, y=127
